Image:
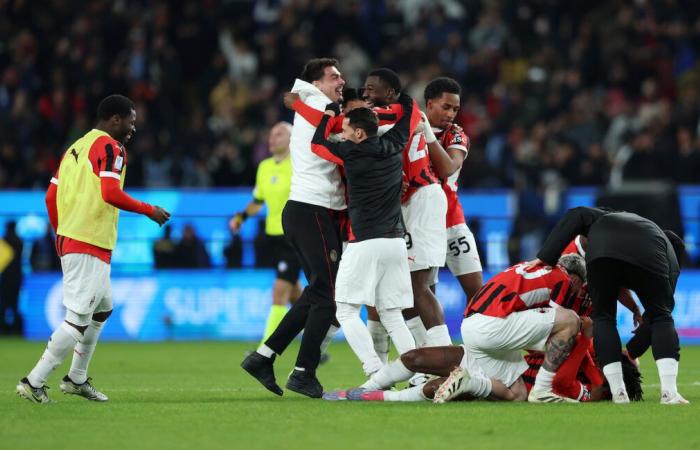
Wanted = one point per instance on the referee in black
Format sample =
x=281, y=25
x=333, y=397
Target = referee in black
x=626, y=251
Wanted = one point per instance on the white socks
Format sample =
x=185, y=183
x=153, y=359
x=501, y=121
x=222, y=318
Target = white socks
x=543, y=381
x=61, y=342
x=358, y=336
x=387, y=376
x=266, y=351
x=83, y=352
x=380, y=338
x=613, y=373
x=479, y=385
x=418, y=331
x=668, y=372
x=412, y=394
x=393, y=322
x=329, y=337
x=438, y=336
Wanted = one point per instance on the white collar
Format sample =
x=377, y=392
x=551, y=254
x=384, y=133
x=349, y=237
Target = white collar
x=306, y=90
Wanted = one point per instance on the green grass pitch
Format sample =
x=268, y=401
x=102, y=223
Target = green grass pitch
x=193, y=395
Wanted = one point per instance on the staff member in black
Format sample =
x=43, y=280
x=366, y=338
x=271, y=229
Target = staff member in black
x=626, y=251
x=374, y=270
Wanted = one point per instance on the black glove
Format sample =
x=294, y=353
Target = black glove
x=333, y=107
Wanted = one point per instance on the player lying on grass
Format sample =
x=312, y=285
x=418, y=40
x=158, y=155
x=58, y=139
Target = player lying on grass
x=509, y=314
x=578, y=377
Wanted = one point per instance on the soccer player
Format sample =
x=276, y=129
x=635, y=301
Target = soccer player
x=442, y=99
x=626, y=251
x=374, y=269
x=424, y=208
x=272, y=183
x=311, y=222
x=83, y=202
x=352, y=100
x=508, y=314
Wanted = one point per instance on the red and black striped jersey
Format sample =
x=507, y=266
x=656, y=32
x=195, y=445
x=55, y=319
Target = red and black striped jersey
x=416, y=160
x=453, y=137
x=519, y=288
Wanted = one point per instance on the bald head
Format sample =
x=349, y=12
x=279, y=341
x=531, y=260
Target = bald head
x=279, y=138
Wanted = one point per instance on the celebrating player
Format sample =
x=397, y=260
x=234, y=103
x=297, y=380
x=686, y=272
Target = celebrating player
x=83, y=202
x=374, y=268
x=442, y=99
x=424, y=209
x=508, y=314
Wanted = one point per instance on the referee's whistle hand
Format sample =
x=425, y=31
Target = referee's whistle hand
x=159, y=215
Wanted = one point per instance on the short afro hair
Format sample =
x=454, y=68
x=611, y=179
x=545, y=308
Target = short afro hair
x=365, y=119
x=574, y=264
x=350, y=94
x=440, y=85
x=389, y=77
x=114, y=105
x=314, y=69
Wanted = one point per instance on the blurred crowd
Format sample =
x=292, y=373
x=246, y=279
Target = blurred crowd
x=556, y=93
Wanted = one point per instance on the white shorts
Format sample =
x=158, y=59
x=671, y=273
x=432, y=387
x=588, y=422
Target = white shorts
x=424, y=216
x=86, y=285
x=497, y=344
x=462, y=255
x=375, y=273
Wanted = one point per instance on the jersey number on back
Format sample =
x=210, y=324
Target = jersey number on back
x=413, y=153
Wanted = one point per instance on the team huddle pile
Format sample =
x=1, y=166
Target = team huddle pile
x=372, y=214
x=395, y=169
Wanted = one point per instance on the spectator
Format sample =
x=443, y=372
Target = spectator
x=207, y=80
x=190, y=252
x=164, y=251
x=43, y=257
x=10, y=283
x=233, y=252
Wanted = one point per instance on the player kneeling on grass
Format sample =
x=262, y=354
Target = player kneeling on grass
x=83, y=201
x=579, y=377
x=374, y=268
x=508, y=314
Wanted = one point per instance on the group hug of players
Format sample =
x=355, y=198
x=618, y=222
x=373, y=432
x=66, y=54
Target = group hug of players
x=398, y=168
x=372, y=213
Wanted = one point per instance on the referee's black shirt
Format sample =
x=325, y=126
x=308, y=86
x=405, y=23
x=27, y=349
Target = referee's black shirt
x=619, y=235
x=374, y=172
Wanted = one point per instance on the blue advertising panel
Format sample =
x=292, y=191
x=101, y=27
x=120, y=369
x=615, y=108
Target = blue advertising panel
x=233, y=305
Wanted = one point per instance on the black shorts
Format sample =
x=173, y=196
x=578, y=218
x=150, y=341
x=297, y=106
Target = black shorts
x=287, y=265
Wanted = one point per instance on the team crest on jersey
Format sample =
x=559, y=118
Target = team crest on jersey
x=273, y=179
x=334, y=255
x=118, y=162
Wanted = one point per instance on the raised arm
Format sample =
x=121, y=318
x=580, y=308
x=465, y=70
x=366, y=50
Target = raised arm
x=395, y=140
x=320, y=144
x=311, y=115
